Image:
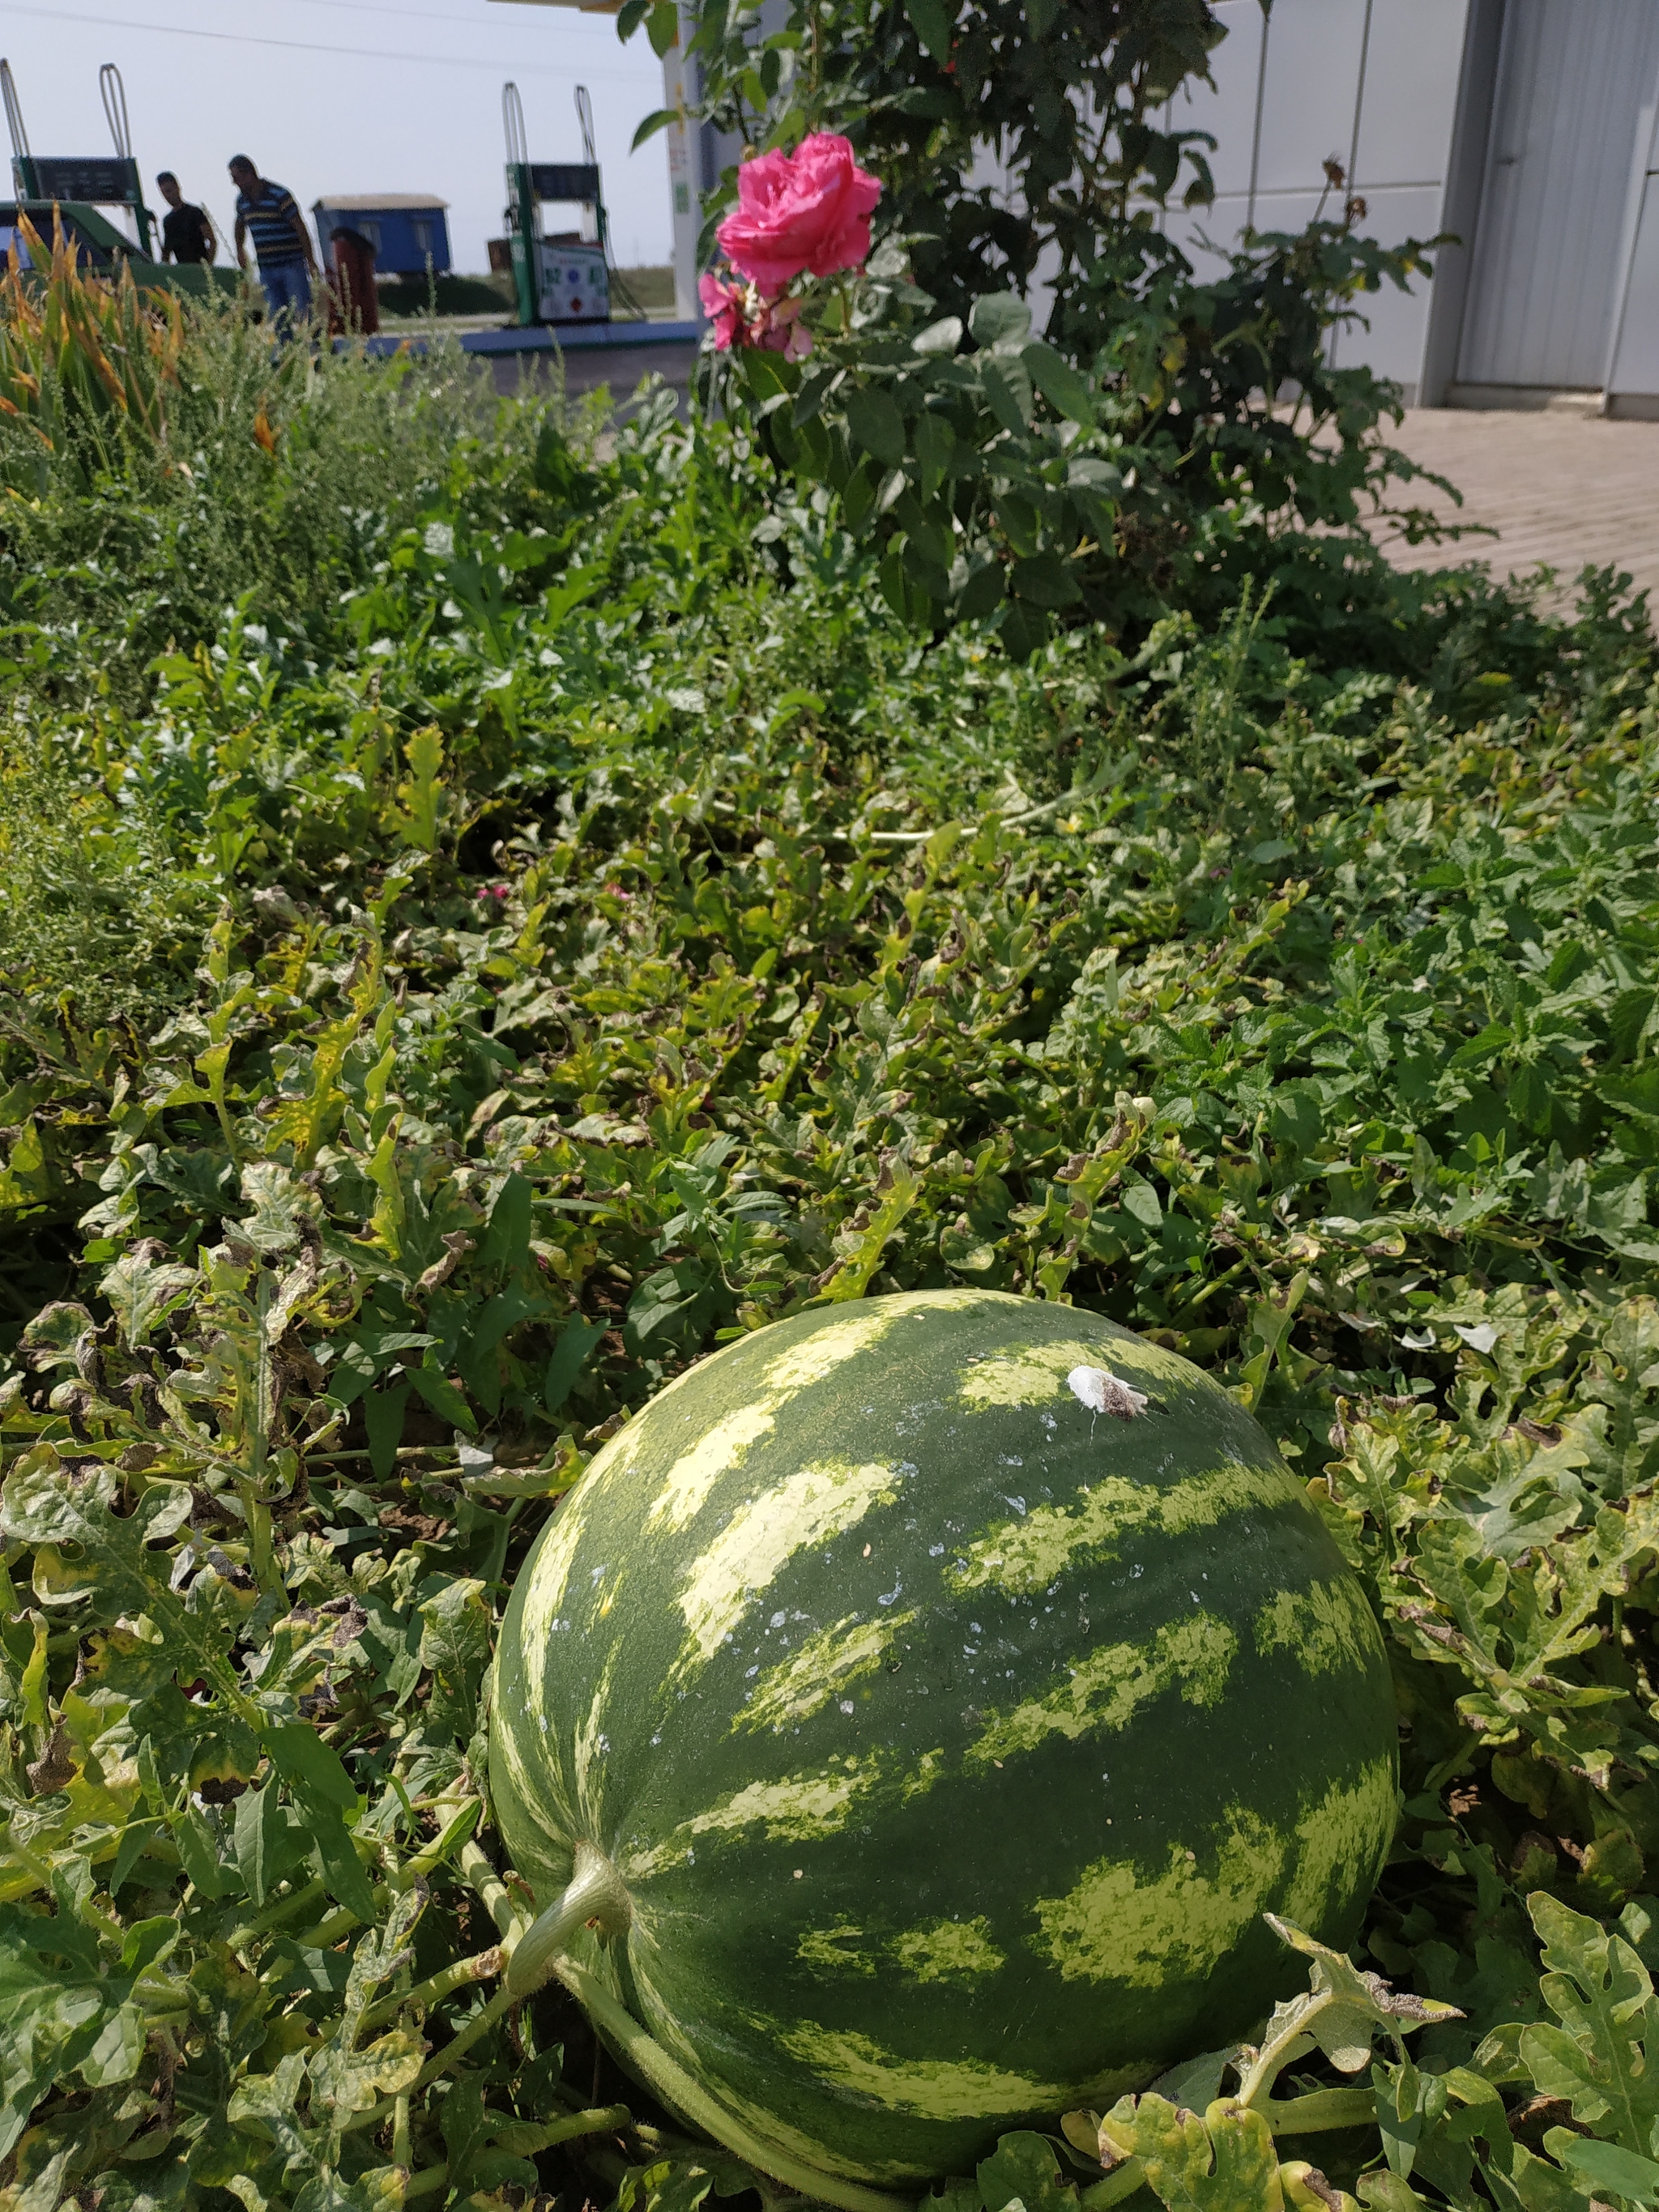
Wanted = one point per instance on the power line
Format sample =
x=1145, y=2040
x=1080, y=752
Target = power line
x=420, y=15
x=310, y=46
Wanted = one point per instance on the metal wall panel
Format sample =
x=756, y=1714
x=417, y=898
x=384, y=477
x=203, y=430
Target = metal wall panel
x=1633, y=370
x=1228, y=112
x=1310, y=90
x=1373, y=83
x=1573, y=77
x=1460, y=205
x=1636, y=363
x=1412, y=59
x=1399, y=321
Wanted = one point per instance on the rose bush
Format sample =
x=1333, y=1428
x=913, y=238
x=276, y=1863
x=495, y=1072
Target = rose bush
x=995, y=480
x=1133, y=451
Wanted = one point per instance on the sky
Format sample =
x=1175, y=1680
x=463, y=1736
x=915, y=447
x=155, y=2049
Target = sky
x=348, y=96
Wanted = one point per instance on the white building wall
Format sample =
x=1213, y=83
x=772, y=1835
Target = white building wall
x=1403, y=94
x=1633, y=376
x=1372, y=84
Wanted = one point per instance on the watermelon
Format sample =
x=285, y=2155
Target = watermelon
x=929, y=1696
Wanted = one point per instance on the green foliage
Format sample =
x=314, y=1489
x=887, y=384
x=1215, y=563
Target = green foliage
x=1228, y=2160
x=97, y=911
x=571, y=924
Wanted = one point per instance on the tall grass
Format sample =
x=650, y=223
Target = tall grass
x=85, y=364
x=158, y=463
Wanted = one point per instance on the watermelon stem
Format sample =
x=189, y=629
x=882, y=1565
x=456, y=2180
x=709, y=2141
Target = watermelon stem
x=1318, y=2110
x=594, y=1898
x=677, y=2089
x=596, y=1892
x=1122, y=2181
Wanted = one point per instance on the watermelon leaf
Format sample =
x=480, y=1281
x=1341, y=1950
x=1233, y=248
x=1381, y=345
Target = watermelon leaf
x=445, y=1400
x=506, y=1239
x=569, y=1356
x=1224, y=2162
x=59, y=2013
x=1605, y=2165
x=1339, y=2010
x=1195, y=2082
x=1023, y=2167
x=1598, y=2058
x=1399, y=2114
x=383, y=1420
x=455, y=1645
x=269, y=1845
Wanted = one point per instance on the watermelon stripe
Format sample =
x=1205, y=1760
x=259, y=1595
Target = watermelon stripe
x=826, y=2153
x=1119, y=1926
x=1027, y=1555
x=910, y=1699
x=936, y=2089
x=811, y=1506
x=1107, y=1688
x=823, y=2153
x=826, y=1664
x=1323, y=1627
x=1037, y=1375
x=531, y=1769
x=790, y=1811
x=948, y=1950
x=592, y=1746
x=692, y=1478
x=938, y=1951
x=1342, y=1838
x=683, y=2092
x=824, y=1950
x=838, y=1339
x=553, y=1555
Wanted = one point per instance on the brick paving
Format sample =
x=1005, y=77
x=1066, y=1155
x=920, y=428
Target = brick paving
x=1559, y=489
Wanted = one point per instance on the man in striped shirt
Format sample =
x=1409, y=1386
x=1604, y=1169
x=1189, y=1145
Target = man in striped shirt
x=269, y=214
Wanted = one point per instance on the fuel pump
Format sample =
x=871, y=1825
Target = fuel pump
x=94, y=179
x=561, y=276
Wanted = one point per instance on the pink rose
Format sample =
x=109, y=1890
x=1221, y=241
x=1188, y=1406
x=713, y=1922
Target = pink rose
x=723, y=305
x=810, y=210
x=780, y=330
x=742, y=317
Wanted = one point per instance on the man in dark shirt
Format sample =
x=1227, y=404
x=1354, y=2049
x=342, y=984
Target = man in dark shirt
x=269, y=214
x=187, y=232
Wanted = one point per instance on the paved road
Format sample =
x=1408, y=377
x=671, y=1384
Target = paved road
x=1559, y=489
x=585, y=371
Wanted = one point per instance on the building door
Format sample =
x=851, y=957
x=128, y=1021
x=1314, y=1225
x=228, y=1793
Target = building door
x=1573, y=77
